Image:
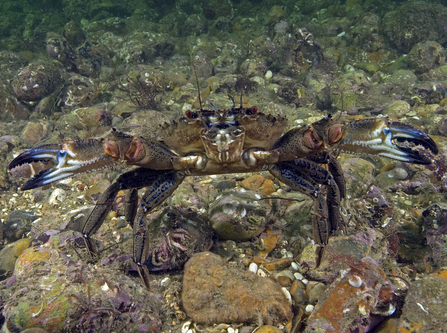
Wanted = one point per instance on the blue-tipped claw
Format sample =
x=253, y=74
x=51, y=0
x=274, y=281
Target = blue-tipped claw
x=42, y=153
x=68, y=159
x=402, y=133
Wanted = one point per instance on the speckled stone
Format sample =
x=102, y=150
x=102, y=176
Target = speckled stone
x=214, y=293
x=424, y=307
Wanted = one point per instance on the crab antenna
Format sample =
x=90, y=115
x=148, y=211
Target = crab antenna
x=241, y=99
x=212, y=105
x=198, y=88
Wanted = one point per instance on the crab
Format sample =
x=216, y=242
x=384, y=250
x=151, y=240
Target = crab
x=235, y=140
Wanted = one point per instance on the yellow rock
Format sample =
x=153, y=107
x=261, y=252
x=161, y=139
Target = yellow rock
x=267, y=187
x=253, y=182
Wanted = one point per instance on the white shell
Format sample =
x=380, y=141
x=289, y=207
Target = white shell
x=355, y=281
x=57, y=196
x=253, y=267
x=309, y=308
x=287, y=294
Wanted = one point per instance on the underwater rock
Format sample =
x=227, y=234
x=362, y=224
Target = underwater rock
x=79, y=92
x=34, y=132
x=9, y=255
x=37, y=80
x=74, y=34
x=424, y=308
x=51, y=290
x=425, y=56
x=397, y=109
x=214, y=293
x=415, y=22
x=238, y=216
x=359, y=299
x=17, y=224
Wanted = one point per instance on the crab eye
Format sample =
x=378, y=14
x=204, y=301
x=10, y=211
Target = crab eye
x=251, y=110
x=191, y=114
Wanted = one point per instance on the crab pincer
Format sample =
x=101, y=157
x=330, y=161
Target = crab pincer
x=67, y=160
x=386, y=138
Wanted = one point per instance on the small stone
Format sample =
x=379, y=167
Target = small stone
x=253, y=182
x=314, y=290
x=253, y=268
x=309, y=308
x=279, y=264
x=298, y=292
x=397, y=108
x=258, y=260
x=165, y=282
x=268, y=187
x=9, y=255
x=284, y=281
x=34, y=132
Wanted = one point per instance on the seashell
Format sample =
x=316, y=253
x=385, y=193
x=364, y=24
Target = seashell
x=57, y=196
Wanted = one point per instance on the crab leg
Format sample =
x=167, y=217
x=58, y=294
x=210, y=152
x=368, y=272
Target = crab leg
x=80, y=156
x=382, y=137
x=68, y=159
x=161, y=182
x=163, y=186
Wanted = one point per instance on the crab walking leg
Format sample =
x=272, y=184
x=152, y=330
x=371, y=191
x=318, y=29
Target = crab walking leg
x=334, y=168
x=324, y=189
x=131, y=205
x=130, y=180
x=163, y=186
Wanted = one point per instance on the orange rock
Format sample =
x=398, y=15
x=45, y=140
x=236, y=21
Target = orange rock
x=278, y=264
x=442, y=273
x=215, y=293
x=268, y=187
x=405, y=327
x=269, y=239
x=253, y=182
x=258, y=260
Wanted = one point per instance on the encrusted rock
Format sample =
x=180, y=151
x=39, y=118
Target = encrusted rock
x=238, y=215
x=36, y=81
x=215, y=293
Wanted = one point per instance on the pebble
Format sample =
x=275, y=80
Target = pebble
x=57, y=197
x=314, y=290
x=165, y=282
x=295, y=266
x=253, y=267
x=9, y=255
x=287, y=294
x=284, y=281
x=268, y=187
x=279, y=264
x=309, y=308
x=253, y=182
x=298, y=292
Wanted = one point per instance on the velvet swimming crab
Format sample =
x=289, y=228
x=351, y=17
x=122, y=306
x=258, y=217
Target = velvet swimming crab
x=236, y=140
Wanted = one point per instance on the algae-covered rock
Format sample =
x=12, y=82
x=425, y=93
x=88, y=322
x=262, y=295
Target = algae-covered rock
x=52, y=290
x=215, y=293
x=238, y=215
